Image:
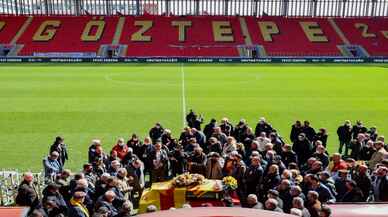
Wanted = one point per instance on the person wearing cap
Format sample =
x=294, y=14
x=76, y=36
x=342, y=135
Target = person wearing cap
x=209, y=128
x=378, y=156
x=263, y=126
x=77, y=208
x=156, y=132
x=344, y=133
x=253, y=176
x=51, y=165
x=214, y=166
x=60, y=147
x=121, y=148
x=27, y=194
x=358, y=128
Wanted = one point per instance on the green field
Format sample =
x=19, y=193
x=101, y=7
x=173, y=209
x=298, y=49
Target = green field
x=83, y=102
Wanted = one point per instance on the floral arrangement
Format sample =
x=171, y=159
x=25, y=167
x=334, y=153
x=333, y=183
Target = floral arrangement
x=229, y=183
x=187, y=179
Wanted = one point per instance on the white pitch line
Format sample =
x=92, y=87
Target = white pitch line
x=183, y=96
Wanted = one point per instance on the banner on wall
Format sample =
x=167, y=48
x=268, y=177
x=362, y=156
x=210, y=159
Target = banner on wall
x=190, y=60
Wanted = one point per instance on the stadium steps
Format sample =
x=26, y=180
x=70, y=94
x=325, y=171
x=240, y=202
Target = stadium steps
x=21, y=31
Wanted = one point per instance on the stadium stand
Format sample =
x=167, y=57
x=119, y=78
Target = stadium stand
x=371, y=34
x=192, y=36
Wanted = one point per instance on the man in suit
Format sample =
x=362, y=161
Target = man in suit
x=344, y=133
x=380, y=185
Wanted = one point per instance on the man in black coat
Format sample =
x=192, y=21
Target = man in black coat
x=353, y=193
x=253, y=176
x=60, y=147
x=363, y=180
x=190, y=118
x=209, y=128
x=309, y=131
x=27, y=194
x=263, y=126
x=296, y=129
x=240, y=130
x=358, y=128
x=344, y=133
x=156, y=132
x=51, y=193
x=288, y=155
x=303, y=148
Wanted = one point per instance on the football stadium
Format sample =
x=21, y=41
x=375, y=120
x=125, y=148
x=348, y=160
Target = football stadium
x=197, y=108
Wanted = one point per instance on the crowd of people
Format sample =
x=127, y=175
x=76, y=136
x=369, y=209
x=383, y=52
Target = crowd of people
x=298, y=178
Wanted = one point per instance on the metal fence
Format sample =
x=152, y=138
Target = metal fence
x=288, y=8
x=9, y=182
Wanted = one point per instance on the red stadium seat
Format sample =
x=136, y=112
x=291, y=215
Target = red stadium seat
x=286, y=37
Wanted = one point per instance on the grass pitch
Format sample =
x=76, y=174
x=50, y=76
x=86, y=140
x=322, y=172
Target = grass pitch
x=83, y=102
